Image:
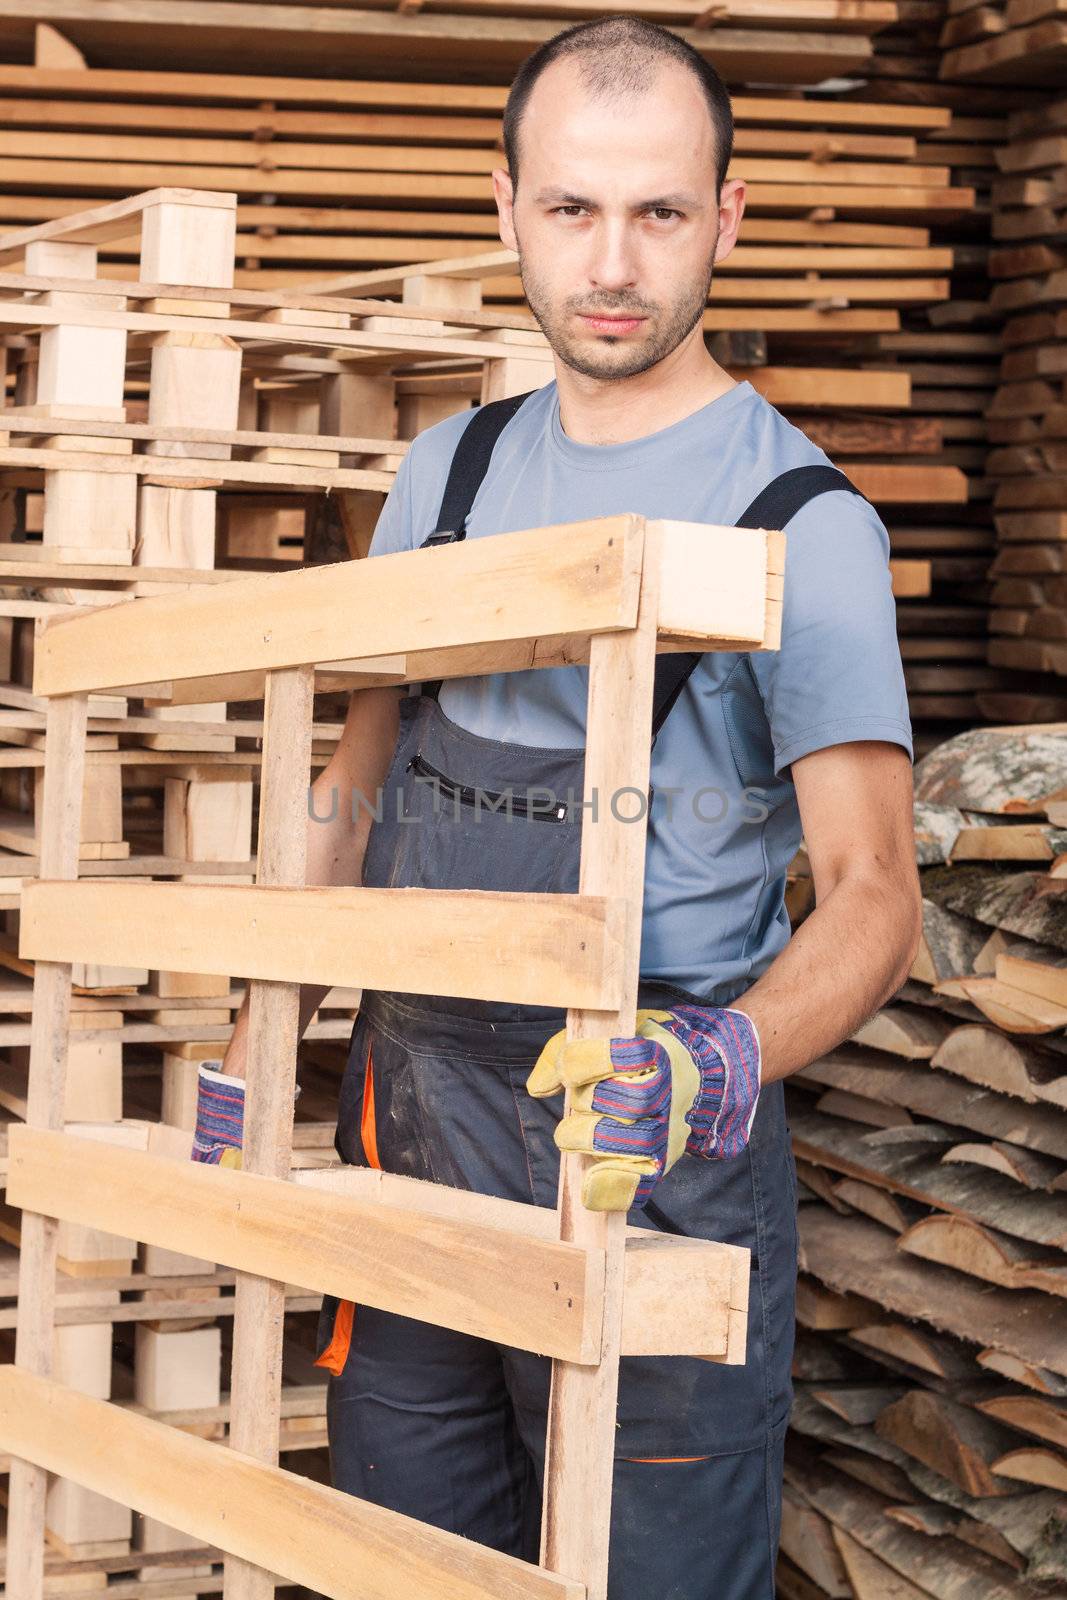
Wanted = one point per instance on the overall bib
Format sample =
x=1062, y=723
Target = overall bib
x=450, y=1428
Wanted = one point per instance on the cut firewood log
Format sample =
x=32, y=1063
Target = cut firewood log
x=984, y=1056
x=891, y=1210
x=1038, y=969
x=985, y=1253
x=1000, y=770
x=911, y=1171
x=942, y=1095
x=820, y=1308
x=1045, y=1419
x=959, y=1443
x=1024, y=1166
x=807, y=1540
x=852, y=1256
x=1030, y=904
x=950, y=944
x=870, y=1578
x=1031, y=1374
x=1013, y=1010
x=856, y=1404
x=1034, y=1464
x=909, y=1345
x=903, y=1030
x=940, y=1521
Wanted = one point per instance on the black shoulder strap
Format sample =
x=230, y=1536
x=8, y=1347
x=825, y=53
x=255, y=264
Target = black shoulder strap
x=470, y=463
x=775, y=504
x=782, y=498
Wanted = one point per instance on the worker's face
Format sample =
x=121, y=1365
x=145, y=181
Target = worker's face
x=615, y=220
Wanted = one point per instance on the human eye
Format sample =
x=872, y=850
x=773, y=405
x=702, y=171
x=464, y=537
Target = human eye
x=664, y=213
x=570, y=209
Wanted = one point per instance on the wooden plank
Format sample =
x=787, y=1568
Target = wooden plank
x=18, y=317
x=320, y=1537
x=186, y=472
x=35, y=424
x=273, y=1039
x=119, y=220
x=579, y=576
x=549, y=949
x=682, y=1296
x=325, y=38
x=60, y=834
x=413, y=1263
x=580, y=1451
x=418, y=95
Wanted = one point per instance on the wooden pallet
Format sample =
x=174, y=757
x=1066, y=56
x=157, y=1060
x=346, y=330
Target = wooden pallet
x=587, y=1291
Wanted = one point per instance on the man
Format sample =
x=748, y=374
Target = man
x=618, y=138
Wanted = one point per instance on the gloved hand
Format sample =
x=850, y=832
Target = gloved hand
x=220, y=1118
x=688, y=1080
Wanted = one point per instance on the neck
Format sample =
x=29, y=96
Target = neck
x=615, y=410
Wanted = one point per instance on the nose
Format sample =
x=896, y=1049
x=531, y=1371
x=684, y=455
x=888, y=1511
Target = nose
x=613, y=264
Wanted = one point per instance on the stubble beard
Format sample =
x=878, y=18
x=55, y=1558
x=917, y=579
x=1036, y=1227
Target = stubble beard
x=610, y=356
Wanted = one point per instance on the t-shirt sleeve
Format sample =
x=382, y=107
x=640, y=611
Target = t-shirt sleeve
x=838, y=676
x=393, y=530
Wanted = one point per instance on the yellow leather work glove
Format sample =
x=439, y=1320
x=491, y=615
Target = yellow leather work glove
x=628, y=1103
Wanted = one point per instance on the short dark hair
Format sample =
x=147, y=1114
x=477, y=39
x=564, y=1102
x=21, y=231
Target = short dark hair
x=619, y=52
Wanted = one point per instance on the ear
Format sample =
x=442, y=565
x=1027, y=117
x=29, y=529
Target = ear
x=504, y=195
x=731, y=210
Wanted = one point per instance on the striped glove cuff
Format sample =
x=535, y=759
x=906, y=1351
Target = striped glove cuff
x=725, y=1045
x=220, y=1114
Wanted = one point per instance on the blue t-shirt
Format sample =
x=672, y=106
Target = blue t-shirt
x=718, y=848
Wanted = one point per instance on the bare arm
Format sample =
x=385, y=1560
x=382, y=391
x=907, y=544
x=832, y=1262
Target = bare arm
x=856, y=948
x=336, y=843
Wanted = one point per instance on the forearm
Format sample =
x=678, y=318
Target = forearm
x=844, y=961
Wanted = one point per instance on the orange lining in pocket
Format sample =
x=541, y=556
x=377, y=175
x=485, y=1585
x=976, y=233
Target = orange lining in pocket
x=368, y=1127
x=664, y=1460
x=335, y=1355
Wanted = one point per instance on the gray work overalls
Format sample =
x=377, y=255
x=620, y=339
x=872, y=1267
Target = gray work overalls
x=450, y=1428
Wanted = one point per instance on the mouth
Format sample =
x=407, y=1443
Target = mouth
x=609, y=324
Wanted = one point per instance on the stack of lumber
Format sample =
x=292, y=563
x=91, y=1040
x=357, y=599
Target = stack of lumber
x=952, y=349
x=468, y=41
x=1005, y=41
x=860, y=238
x=168, y=431
x=1028, y=418
x=929, y=1437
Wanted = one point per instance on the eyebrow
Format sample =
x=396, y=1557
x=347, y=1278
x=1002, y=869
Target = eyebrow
x=686, y=202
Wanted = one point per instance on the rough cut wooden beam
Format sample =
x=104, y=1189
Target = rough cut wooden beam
x=417, y=1265
x=312, y=1535
x=313, y=37
x=676, y=1290
x=273, y=1042
x=120, y=220
x=17, y=318
x=583, y=1402
x=49, y=1051
x=574, y=577
x=720, y=588
x=535, y=949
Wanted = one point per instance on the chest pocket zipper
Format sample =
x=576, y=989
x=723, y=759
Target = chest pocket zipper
x=468, y=795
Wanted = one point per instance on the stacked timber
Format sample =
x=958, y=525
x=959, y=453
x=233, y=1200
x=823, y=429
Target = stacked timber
x=1028, y=419
x=467, y=41
x=1005, y=41
x=167, y=431
x=952, y=349
x=859, y=236
x=929, y=1445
